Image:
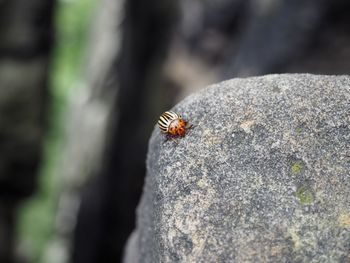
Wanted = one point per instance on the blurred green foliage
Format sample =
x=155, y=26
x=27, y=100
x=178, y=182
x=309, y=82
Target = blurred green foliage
x=36, y=217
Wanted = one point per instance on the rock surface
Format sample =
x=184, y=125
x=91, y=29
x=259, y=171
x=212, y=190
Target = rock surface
x=262, y=177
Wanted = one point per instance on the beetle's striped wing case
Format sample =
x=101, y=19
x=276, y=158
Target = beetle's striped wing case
x=166, y=118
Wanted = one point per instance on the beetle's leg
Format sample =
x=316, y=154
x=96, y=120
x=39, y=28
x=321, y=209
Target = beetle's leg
x=169, y=137
x=189, y=126
x=174, y=140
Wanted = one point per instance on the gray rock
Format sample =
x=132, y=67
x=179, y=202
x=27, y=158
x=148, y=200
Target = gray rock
x=262, y=177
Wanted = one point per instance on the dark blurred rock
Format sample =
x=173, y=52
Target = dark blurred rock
x=275, y=34
x=25, y=28
x=262, y=177
x=130, y=90
x=234, y=38
x=25, y=33
x=21, y=124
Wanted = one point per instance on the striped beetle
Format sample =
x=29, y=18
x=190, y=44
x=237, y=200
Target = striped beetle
x=173, y=125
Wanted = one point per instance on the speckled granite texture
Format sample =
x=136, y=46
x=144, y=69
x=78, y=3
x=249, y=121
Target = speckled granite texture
x=264, y=176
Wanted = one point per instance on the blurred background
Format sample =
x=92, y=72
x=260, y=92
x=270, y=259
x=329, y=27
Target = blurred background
x=82, y=83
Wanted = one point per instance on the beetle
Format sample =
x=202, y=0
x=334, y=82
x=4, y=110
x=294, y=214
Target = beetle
x=173, y=125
